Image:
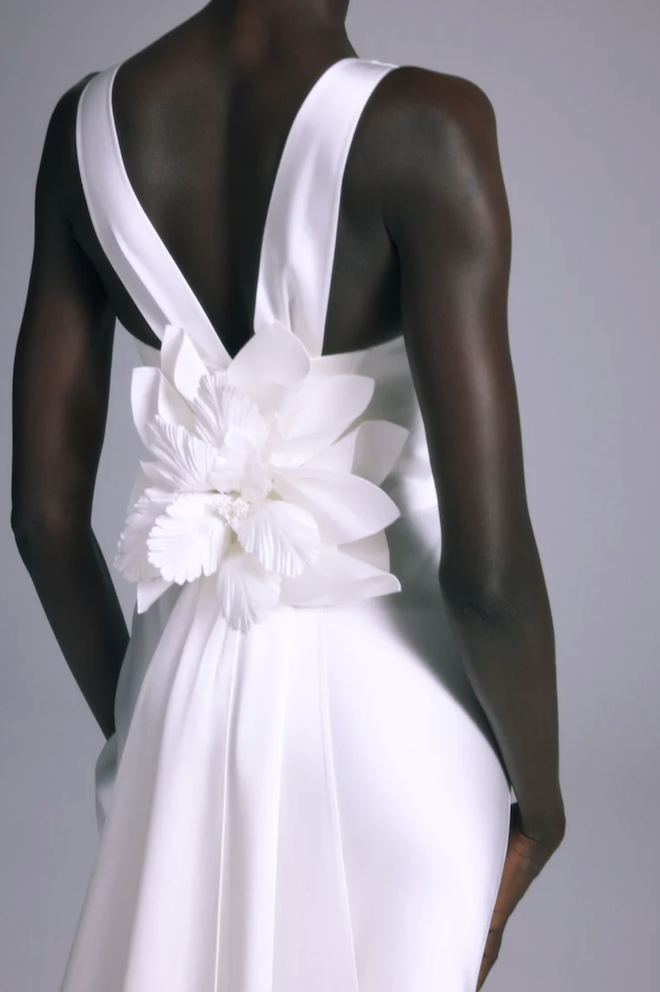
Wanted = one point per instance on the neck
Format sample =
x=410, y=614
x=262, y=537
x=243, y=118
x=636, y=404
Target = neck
x=320, y=13
x=262, y=28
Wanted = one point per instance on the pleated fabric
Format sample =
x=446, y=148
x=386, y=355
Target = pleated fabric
x=317, y=804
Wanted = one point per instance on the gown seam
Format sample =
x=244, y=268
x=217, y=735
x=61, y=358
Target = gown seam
x=330, y=768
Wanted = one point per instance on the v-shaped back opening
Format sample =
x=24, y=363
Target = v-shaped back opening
x=135, y=248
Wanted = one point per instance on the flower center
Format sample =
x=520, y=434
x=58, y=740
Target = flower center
x=231, y=508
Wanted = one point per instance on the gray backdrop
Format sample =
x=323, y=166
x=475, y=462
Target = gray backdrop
x=575, y=85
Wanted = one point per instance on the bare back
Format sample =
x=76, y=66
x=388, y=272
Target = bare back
x=201, y=142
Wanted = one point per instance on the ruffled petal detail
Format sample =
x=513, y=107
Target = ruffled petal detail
x=188, y=540
x=284, y=538
x=247, y=592
x=184, y=462
x=132, y=553
x=224, y=414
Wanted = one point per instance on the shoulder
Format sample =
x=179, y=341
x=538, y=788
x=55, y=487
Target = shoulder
x=420, y=113
x=62, y=122
x=59, y=161
x=438, y=97
x=433, y=109
x=439, y=133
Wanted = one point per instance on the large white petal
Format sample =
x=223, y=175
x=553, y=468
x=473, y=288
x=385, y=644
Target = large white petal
x=247, y=592
x=223, y=412
x=284, y=538
x=181, y=362
x=132, y=552
x=337, y=578
x=188, y=540
x=370, y=450
x=337, y=457
x=345, y=507
x=272, y=358
x=153, y=395
x=184, y=462
x=377, y=450
x=314, y=414
x=149, y=592
x=374, y=550
x=140, y=483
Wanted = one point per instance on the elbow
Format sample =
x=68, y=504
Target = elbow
x=21, y=526
x=496, y=602
x=497, y=589
x=39, y=528
x=29, y=528
x=492, y=608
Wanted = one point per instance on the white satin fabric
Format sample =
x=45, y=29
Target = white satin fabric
x=315, y=805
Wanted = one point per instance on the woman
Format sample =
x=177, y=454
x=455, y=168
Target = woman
x=322, y=706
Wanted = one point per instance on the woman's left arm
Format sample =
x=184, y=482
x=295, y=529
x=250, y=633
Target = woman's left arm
x=60, y=397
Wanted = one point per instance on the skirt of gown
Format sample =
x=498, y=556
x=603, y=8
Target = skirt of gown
x=316, y=806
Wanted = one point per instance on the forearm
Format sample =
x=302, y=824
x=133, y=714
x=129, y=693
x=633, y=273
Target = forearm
x=76, y=591
x=510, y=660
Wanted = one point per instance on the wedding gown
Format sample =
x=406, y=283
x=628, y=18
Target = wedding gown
x=302, y=793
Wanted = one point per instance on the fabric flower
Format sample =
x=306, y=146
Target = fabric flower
x=263, y=479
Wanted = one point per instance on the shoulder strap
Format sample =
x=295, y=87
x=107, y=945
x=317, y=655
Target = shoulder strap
x=298, y=246
x=129, y=239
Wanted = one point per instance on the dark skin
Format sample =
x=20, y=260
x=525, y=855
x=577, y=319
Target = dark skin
x=423, y=249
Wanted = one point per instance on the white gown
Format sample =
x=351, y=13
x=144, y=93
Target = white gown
x=314, y=804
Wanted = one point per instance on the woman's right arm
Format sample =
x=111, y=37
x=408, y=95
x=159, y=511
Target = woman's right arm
x=448, y=217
